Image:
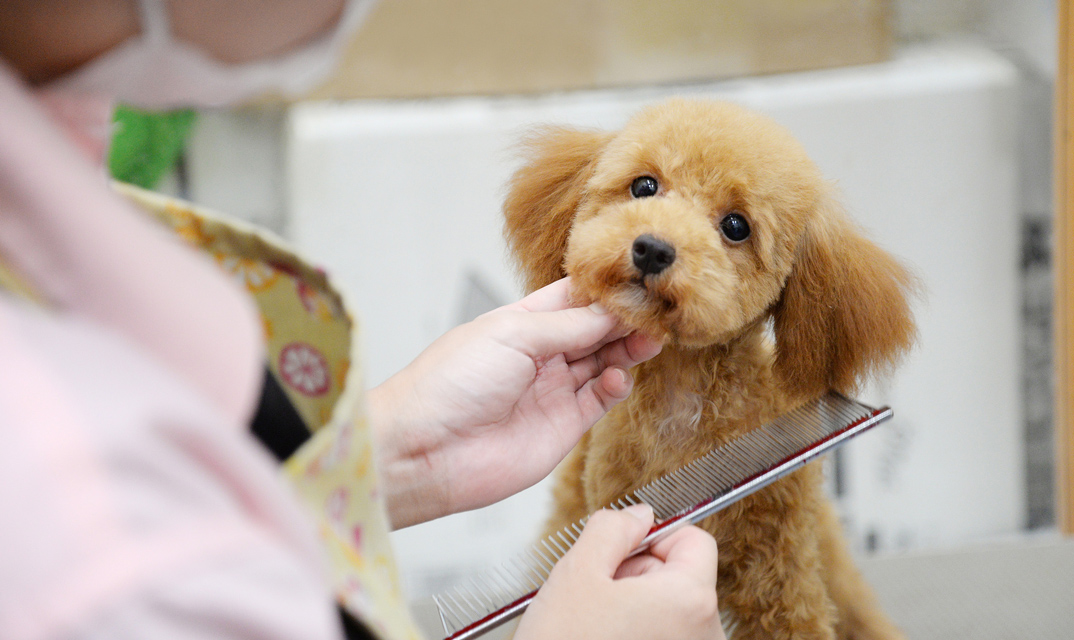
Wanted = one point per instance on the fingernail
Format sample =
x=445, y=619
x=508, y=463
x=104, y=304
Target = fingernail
x=598, y=308
x=640, y=511
x=625, y=384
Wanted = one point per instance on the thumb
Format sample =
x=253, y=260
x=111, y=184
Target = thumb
x=609, y=537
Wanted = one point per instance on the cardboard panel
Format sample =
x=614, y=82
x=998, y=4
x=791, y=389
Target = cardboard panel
x=420, y=48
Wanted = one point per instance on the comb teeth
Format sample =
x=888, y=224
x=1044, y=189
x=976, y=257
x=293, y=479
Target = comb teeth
x=750, y=455
x=695, y=491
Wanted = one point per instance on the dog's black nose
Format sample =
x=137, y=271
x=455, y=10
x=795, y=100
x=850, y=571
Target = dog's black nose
x=651, y=255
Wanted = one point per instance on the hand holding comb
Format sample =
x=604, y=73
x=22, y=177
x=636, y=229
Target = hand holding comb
x=699, y=489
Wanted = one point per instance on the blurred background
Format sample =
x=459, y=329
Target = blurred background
x=933, y=117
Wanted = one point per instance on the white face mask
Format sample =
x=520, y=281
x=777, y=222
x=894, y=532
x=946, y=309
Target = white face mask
x=156, y=71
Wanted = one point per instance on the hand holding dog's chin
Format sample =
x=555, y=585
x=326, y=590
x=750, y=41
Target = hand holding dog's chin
x=493, y=405
x=596, y=592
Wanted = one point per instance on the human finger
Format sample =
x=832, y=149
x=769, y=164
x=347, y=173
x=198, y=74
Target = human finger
x=638, y=565
x=625, y=353
x=556, y=297
x=597, y=396
x=618, y=331
x=615, y=383
x=546, y=333
x=609, y=537
x=690, y=550
x=552, y=297
x=688, y=547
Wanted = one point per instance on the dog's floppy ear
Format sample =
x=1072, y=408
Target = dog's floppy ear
x=544, y=195
x=844, y=315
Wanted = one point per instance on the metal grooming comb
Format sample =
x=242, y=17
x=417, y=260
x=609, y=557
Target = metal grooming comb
x=701, y=488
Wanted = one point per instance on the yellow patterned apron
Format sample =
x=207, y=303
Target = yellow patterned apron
x=312, y=349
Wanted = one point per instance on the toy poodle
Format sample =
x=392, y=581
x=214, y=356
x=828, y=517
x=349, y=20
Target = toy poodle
x=707, y=224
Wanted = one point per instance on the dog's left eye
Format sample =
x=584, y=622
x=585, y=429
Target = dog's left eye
x=734, y=227
x=644, y=187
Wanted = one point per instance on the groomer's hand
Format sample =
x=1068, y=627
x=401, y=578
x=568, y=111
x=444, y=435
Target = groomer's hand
x=593, y=593
x=493, y=405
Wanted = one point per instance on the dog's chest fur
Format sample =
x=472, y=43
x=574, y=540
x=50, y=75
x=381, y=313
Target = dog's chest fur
x=684, y=403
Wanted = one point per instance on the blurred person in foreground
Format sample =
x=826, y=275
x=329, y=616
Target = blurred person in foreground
x=138, y=503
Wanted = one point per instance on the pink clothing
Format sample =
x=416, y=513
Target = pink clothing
x=135, y=503
x=88, y=253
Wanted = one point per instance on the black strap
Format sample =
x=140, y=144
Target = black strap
x=353, y=629
x=279, y=427
x=277, y=424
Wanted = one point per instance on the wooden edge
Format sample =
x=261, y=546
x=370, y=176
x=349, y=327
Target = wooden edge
x=1064, y=271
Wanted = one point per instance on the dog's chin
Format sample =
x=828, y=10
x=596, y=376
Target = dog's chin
x=658, y=311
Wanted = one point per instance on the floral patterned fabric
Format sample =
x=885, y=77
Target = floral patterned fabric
x=311, y=345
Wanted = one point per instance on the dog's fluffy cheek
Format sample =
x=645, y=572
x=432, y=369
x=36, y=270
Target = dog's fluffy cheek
x=594, y=259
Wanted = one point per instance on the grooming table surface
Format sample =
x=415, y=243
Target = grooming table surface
x=996, y=592
x=1004, y=591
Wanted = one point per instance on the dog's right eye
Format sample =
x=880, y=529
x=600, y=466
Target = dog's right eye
x=734, y=227
x=644, y=187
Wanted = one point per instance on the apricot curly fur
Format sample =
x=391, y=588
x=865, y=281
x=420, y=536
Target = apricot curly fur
x=751, y=328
